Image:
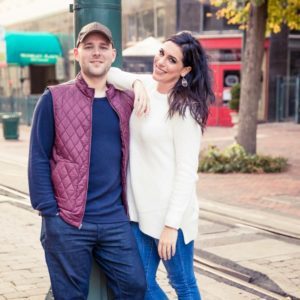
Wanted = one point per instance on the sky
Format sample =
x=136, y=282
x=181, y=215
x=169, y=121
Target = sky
x=15, y=11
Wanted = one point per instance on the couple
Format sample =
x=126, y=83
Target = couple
x=86, y=191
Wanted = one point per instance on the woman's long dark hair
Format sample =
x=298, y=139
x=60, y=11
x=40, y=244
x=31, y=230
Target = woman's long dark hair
x=198, y=94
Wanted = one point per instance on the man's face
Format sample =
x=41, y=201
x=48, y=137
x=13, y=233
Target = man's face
x=95, y=55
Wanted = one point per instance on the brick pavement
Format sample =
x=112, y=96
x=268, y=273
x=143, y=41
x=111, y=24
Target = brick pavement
x=23, y=274
x=286, y=268
x=277, y=192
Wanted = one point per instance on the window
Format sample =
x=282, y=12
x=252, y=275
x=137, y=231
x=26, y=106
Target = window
x=145, y=24
x=146, y=18
x=160, y=21
x=222, y=55
x=210, y=21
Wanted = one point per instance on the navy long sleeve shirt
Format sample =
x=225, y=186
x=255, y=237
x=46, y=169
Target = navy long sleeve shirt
x=104, y=189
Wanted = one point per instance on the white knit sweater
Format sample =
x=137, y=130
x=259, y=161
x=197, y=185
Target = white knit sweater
x=163, y=164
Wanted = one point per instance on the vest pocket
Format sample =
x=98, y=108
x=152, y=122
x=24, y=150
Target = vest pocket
x=65, y=177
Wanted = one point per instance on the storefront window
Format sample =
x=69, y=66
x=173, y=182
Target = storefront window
x=131, y=28
x=146, y=18
x=223, y=55
x=145, y=24
x=161, y=18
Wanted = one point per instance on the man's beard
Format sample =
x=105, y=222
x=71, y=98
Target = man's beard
x=90, y=72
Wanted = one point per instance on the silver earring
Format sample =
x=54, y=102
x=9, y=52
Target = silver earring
x=184, y=82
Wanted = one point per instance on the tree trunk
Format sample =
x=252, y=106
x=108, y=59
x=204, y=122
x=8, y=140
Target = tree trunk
x=252, y=77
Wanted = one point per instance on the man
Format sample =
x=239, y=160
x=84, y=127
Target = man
x=77, y=176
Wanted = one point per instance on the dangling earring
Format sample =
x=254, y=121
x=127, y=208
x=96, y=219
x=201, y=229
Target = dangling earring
x=184, y=82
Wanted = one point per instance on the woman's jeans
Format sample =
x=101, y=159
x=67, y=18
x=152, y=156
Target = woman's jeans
x=180, y=267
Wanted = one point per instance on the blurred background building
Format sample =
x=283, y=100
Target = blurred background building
x=39, y=39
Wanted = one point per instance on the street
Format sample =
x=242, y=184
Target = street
x=249, y=228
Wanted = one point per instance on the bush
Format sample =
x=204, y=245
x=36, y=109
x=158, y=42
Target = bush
x=234, y=159
x=235, y=92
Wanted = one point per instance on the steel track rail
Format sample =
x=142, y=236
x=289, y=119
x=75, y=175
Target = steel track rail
x=220, y=271
x=215, y=216
x=235, y=278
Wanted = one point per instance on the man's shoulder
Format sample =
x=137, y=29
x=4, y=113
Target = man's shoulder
x=126, y=93
x=122, y=98
x=61, y=89
x=118, y=93
x=62, y=85
x=126, y=96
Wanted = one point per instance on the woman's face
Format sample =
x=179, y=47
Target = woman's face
x=168, y=66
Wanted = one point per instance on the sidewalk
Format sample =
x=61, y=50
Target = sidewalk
x=276, y=193
x=23, y=274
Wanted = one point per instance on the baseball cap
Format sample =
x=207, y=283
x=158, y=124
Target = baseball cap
x=94, y=27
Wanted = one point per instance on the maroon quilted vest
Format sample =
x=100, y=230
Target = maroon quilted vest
x=72, y=106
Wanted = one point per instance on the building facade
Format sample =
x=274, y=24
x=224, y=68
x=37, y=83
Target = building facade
x=158, y=19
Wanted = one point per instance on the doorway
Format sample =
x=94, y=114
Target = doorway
x=41, y=76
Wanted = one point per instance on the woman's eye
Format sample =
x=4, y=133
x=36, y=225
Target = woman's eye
x=172, y=60
x=161, y=52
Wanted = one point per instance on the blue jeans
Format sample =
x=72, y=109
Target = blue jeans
x=69, y=252
x=180, y=267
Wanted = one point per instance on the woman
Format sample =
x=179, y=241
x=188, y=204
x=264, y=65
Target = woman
x=164, y=149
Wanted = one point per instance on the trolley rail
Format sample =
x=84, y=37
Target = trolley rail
x=228, y=275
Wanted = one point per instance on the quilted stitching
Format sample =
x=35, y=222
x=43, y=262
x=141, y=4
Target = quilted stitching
x=70, y=164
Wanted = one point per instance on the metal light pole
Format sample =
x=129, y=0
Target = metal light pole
x=107, y=12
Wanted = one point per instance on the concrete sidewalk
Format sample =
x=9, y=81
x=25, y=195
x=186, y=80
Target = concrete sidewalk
x=23, y=274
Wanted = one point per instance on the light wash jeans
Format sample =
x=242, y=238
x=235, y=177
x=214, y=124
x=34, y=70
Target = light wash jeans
x=180, y=267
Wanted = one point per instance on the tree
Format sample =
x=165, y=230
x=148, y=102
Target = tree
x=257, y=17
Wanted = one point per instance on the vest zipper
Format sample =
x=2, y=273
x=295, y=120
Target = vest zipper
x=122, y=140
x=88, y=173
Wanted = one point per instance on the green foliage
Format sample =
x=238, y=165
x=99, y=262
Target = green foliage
x=234, y=159
x=279, y=12
x=235, y=92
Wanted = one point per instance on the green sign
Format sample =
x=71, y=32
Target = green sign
x=26, y=48
x=32, y=58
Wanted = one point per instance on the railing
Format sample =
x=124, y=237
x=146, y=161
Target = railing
x=23, y=106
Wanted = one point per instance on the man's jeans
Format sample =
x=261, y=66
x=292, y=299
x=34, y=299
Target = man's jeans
x=69, y=253
x=180, y=267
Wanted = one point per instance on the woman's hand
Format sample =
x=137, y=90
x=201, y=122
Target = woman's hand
x=141, y=99
x=167, y=243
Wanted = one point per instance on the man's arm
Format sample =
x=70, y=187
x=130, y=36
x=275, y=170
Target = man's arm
x=40, y=151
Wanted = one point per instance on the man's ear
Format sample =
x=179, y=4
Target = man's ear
x=75, y=51
x=114, y=55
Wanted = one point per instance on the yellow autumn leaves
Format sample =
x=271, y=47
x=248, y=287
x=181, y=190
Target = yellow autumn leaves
x=279, y=12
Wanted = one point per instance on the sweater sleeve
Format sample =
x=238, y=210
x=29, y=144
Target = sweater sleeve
x=40, y=151
x=186, y=138
x=124, y=80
